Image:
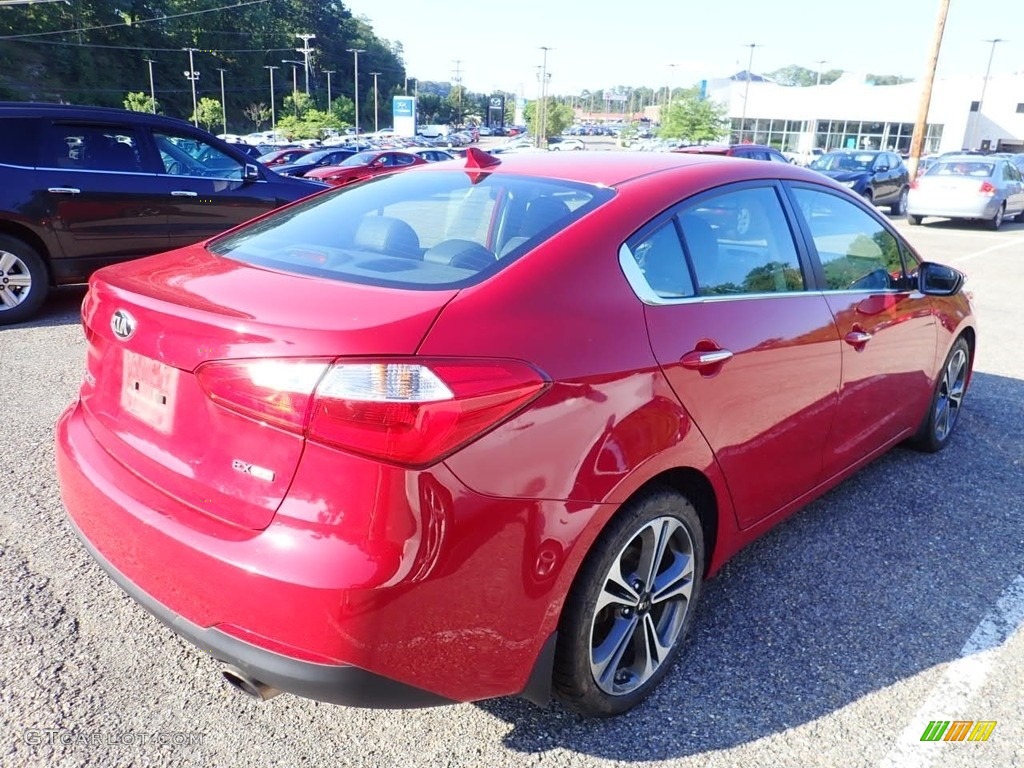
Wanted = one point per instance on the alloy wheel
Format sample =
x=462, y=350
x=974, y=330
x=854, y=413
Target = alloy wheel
x=642, y=606
x=15, y=281
x=951, y=394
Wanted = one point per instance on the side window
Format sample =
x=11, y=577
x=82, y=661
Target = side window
x=778, y=157
x=91, y=148
x=856, y=252
x=1010, y=173
x=403, y=159
x=19, y=139
x=186, y=155
x=740, y=242
x=895, y=161
x=660, y=257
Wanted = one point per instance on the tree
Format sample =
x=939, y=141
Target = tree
x=694, y=119
x=208, y=113
x=297, y=103
x=343, y=112
x=137, y=101
x=801, y=76
x=557, y=117
x=259, y=113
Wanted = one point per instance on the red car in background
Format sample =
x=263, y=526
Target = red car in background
x=483, y=429
x=365, y=165
x=282, y=156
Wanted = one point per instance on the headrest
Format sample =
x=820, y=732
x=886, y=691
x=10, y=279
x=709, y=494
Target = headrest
x=387, y=235
x=460, y=253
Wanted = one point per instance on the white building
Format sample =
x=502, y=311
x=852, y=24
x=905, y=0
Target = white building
x=850, y=113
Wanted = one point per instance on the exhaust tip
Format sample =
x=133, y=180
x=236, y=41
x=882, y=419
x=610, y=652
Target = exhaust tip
x=250, y=686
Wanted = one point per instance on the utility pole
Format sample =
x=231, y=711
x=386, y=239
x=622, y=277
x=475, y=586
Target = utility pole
x=355, y=79
x=273, y=112
x=295, y=82
x=375, y=126
x=305, y=50
x=192, y=76
x=223, y=102
x=457, y=78
x=984, y=87
x=920, y=125
x=542, y=107
x=329, y=72
x=746, y=90
x=152, y=90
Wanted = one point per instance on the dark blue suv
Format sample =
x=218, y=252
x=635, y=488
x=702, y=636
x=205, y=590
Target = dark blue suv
x=83, y=187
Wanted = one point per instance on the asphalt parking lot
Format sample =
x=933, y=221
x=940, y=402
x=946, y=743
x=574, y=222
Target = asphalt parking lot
x=895, y=600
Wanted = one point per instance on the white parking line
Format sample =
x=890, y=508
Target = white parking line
x=1017, y=242
x=963, y=679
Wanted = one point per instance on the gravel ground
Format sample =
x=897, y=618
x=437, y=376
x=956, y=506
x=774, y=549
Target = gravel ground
x=816, y=646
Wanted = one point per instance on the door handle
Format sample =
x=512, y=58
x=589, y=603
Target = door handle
x=857, y=338
x=700, y=359
x=184, y=193
x=64, y=191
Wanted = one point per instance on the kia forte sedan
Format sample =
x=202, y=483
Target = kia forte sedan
x=484, y=428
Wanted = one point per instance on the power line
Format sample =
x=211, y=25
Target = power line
x=147, y=47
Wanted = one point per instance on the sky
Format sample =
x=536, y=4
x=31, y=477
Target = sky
x=679, y=42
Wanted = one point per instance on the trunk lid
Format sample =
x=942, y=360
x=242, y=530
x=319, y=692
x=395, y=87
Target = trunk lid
x=151, y=323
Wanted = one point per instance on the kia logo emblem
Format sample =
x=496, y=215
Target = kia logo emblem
x=123, y=324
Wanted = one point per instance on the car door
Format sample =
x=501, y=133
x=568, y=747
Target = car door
x=886, y=326
x=752, y=354
x=98, y=192
x=1015, y=189
x=205, y=190
x=881, y=178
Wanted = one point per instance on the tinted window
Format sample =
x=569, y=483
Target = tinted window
x=976, y=168
x=185, y=155
x=661, y=258
x=855, y=250
x=90, y=147
x=19, y=140
x=740, y=242
x=414, y=229
x=402, y=159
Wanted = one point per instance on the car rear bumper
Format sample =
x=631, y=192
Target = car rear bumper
x=980, y=208
x=392, y=597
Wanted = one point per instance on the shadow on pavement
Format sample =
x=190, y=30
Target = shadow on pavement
x=62, y=306
x=883, y=578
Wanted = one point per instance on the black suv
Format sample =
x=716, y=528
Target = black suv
x=879, y=176
x=83, y=187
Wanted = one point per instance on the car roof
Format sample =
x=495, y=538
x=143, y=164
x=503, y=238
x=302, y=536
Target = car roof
x=38, y=109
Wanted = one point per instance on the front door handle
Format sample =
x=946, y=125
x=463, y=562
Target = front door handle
x=857, y=338
x=702, y=359
x=64, y=191
x=184, y=193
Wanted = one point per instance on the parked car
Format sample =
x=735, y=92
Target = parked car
x=365, y=165
x=430, y=154
x=745, y=151
x=560, y=144
x=316, y=159
x=306, y=449
x=972, y=187
x=86, y=186
x=879, y=177
x=283, y=156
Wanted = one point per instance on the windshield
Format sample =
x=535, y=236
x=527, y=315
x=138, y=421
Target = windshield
x=844, y=161
x=414, y=230
x=363, y=158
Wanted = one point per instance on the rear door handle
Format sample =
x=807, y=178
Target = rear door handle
x=64, y=191
x=701, y=359
x=184, y=193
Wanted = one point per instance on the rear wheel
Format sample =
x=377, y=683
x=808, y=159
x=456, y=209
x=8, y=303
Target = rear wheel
x=24, y=281
x=914, y=220
x=869, y=197
x=997, y=221
x=947, y=400
x=630, y=606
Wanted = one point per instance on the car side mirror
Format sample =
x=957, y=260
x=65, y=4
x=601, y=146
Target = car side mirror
x=252, y=172
x=938, y=279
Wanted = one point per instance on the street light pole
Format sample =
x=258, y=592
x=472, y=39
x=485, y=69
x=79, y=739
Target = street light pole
x=295, y=82
x=223, y=102
x=305, y=50
x=273, y=111
x=192, y=76
x=329, y=72
x=375, y=127
x=152, y=90
x=355, y=80
x=542, y=115
x=746, y=90
x=820, y=63
x=984, y=87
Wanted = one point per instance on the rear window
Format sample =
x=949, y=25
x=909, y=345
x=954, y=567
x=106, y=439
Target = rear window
x=976, y=169
x=414, y=230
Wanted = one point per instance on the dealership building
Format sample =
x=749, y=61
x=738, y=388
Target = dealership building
x=852, y=113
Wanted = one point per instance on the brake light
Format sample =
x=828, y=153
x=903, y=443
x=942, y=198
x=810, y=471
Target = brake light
x=986, y=188
x=914, y=184
x=403, y=411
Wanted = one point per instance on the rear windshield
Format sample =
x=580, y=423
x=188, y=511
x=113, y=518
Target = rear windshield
x=977, y=169
x=437, y=229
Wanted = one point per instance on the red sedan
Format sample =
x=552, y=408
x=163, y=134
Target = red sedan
x=484, y=429
x=365, y=165
x=282, y=156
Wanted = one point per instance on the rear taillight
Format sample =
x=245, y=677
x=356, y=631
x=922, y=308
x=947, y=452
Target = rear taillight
x=406, y=412
x=914, y=184
x=986, y=188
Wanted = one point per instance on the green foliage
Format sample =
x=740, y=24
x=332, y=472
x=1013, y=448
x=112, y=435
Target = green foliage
x=137, y=101
x=297, y=103
x=801, y=76
x=558, y=117
x=310, y=126
x=258, y=113
x=343, y=112
x=208, y=113
x=693, y=119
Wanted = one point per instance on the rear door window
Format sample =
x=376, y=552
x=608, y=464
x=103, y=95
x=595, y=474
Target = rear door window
x=91, y=147
x=19, y=141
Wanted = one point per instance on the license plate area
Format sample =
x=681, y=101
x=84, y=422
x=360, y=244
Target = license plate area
x=148, y=390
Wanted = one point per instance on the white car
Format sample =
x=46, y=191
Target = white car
x=567, y=145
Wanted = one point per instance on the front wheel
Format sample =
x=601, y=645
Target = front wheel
x=900, y=206
x=630, y=606
x=947, y=400
x=24, y=281
x=869, y=197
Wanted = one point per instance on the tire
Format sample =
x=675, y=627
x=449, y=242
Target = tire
x=947, y=400
x=997, y=221
x=603, y=665
x=24, y=281
x=913, y=220
x=900, y=206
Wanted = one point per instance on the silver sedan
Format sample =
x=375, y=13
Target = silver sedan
x=968, y=187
